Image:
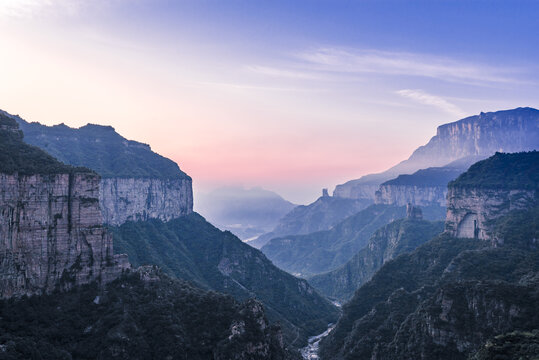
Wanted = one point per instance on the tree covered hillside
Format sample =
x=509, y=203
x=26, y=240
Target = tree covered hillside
x=143, y=315
x=192, y=249
x=99, y=148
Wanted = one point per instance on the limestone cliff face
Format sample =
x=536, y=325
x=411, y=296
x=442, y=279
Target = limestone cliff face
x=480, y=135
x=470, y=210
x=124, y=199
x=51, y=234
x=401, y=195
x=137, y=183
x=356, y=191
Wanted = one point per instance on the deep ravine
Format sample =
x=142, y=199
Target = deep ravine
x=310, y=352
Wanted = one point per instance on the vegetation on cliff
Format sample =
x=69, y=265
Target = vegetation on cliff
x=321, y=215
x=502, y=171
x=435, y=176
x=516, y=345
x=323, y=251
x=100, y=148
x=144, y=315
x=445, y=299
x=400, y=236
x=192, y=249
x=19, y=157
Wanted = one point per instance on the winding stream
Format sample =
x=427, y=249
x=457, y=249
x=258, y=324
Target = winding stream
x=310, y=352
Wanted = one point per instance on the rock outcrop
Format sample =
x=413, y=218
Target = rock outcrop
x=480, y=135
x=413, y=212
x=51, y=233
x=469, y=211
x=137, y=183
x=425, y=187
x=474, y=200
x=125, y=199
x=401, y=195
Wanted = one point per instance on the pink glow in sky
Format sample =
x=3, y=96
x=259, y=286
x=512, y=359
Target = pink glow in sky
x=258, y=96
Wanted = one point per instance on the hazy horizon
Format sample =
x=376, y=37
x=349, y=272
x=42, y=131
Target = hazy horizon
x=289, y=96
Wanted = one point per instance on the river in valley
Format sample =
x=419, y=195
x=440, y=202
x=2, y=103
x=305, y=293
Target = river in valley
x=310, y=352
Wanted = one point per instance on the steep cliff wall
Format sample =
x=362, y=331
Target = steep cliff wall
x=401, y=195
x=480, y=135
x=470, y=211
x=51, y=234
x=489, y=189
x=124, y=199
x=137, y=183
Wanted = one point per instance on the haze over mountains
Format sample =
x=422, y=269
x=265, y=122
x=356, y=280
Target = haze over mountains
x=116, y=244
x=247, y=213
x=448, y=154
x=161, y=229
x=479, y=135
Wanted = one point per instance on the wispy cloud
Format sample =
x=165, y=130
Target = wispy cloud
x=242, y=86
x=29, y=9
x=422, y=97
x=402, y=63
x=283, y=73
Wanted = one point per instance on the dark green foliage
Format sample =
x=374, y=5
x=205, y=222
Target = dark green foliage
x=131, y=318
x=434, y=176
x=398, y=237
x=190, y=248
x=100, y=148
x=323, y=251
x=443, y=300
x=502, y=171
x=19, y=157
x=519, y=228
x=516, y=345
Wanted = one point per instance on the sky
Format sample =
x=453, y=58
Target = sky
x=293, y=96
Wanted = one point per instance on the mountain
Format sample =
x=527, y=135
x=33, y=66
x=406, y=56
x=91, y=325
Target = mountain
x=136, y=183
x=247, y=213
x=514, y=345
x=451, y=295
x=51, y=233
x=192, y=249
x=400, y=236
x=323, y=251
x=425, y=187
x=489, y=189
x=143, y=315
x=480, y=135
x=322, y=214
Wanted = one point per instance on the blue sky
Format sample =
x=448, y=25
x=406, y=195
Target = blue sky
x=289, y=95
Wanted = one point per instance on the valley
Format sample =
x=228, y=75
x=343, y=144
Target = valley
x=451, y=248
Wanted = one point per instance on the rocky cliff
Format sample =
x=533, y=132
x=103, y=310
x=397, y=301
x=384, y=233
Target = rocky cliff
x=480, y=135
x=425, y=187
x=401, y=195
x=136, y=183
x=51, y=233
x=124, y=199
x=474, y=200
x=448, y=297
